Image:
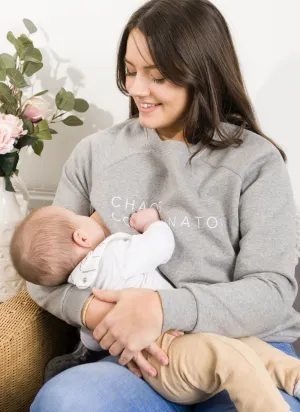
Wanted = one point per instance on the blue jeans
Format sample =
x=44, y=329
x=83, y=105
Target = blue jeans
x=105, y=386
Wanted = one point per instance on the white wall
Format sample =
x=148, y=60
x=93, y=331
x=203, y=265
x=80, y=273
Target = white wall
x=267, y=38
x=79, y=43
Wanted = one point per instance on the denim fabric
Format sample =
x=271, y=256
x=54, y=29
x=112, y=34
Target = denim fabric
x=105, y=386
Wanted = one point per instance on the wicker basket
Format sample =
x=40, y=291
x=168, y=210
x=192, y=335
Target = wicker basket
x=29, y=338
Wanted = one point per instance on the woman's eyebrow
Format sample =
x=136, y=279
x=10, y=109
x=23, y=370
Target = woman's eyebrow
x=145, y=67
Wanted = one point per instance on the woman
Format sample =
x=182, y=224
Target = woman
x=193, y=149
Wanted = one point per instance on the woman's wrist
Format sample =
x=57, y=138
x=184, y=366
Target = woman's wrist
x=85, y=308
x=96, y=310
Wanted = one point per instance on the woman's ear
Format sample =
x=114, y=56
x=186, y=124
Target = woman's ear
x=81, y=238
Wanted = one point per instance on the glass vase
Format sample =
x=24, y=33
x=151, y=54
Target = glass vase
x=13, y=208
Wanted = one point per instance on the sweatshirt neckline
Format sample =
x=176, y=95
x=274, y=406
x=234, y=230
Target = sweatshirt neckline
x=155, y=142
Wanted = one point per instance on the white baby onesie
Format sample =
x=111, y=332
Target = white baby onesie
x=124, y=261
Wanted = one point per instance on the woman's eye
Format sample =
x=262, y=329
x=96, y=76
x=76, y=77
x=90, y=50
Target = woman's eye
x=127, y=73
x=158, y=80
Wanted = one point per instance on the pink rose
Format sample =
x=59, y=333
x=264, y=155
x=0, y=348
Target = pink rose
x=11, y=127
x=36, y=109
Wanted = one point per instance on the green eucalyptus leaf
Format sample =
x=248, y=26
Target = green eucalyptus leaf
x=59, y=97
x=5, y=92
x=45, y=135
x=22, y=43
x=42, y=126
x=30, y=26
x=25, y=40
x=42, y=130
x=41, y=93
x=52, y=131
x=37, y=54
x=65, y=100
x=72, y=121
x=30, y=68
x=81, y=105
x=38, y=147
x=33, y=55
x=2, y=75
x=16, y=78
x=18, y=45
x=7, y=98
x=7, y=61
x=26, y=51
x=10, y=37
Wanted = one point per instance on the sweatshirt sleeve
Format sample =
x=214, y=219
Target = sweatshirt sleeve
x=263, y=287
x=66, y=301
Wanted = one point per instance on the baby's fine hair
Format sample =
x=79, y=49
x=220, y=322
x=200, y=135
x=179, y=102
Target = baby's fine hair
x=42, y=249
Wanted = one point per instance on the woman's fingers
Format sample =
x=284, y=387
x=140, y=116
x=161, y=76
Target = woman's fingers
x=111, y=296
x=107, y=340
x=116, y=348
x=126, y=356
x=144, y=365
x=158, y=353
x=132, y=366
x=100, y=331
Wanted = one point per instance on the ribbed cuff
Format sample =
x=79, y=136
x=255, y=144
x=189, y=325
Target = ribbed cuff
x=179, y=309
x=73, y=303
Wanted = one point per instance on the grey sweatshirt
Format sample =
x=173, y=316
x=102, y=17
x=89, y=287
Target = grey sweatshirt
x=232, y=213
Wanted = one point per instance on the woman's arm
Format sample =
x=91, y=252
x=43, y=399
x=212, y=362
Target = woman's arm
x=66, y=301
x=263, y=289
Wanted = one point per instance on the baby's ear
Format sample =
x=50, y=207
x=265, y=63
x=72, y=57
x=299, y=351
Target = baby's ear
x=80, y=237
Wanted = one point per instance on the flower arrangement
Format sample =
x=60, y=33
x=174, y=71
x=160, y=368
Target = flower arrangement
x=26, y=122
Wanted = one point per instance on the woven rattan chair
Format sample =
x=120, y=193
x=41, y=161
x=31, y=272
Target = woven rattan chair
x=29, y=338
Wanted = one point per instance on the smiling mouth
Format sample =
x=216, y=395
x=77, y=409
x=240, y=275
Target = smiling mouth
x=148, y=109
x=151, y=105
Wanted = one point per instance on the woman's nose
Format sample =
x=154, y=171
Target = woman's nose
x=139, y=87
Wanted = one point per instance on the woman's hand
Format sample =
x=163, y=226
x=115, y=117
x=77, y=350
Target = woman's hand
x=139, y=363
x=132, y=325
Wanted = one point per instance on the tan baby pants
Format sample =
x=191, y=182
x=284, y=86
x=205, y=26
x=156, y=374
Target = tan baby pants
x=203, y=364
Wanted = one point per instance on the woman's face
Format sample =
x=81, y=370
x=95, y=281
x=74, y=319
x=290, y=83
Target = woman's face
x=146, y=85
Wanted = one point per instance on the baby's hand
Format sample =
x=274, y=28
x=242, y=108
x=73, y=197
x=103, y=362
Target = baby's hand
x=141, y=219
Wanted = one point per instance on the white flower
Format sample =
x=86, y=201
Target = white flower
x=11, y=127
x=36, y=109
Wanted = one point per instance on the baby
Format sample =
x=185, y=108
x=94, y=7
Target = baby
x=53, y=245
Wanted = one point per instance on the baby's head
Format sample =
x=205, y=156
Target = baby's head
x=50, y=242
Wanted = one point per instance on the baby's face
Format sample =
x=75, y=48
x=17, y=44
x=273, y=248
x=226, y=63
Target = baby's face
x=87, y=225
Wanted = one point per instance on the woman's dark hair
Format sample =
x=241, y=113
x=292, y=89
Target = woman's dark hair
x=191, y=45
